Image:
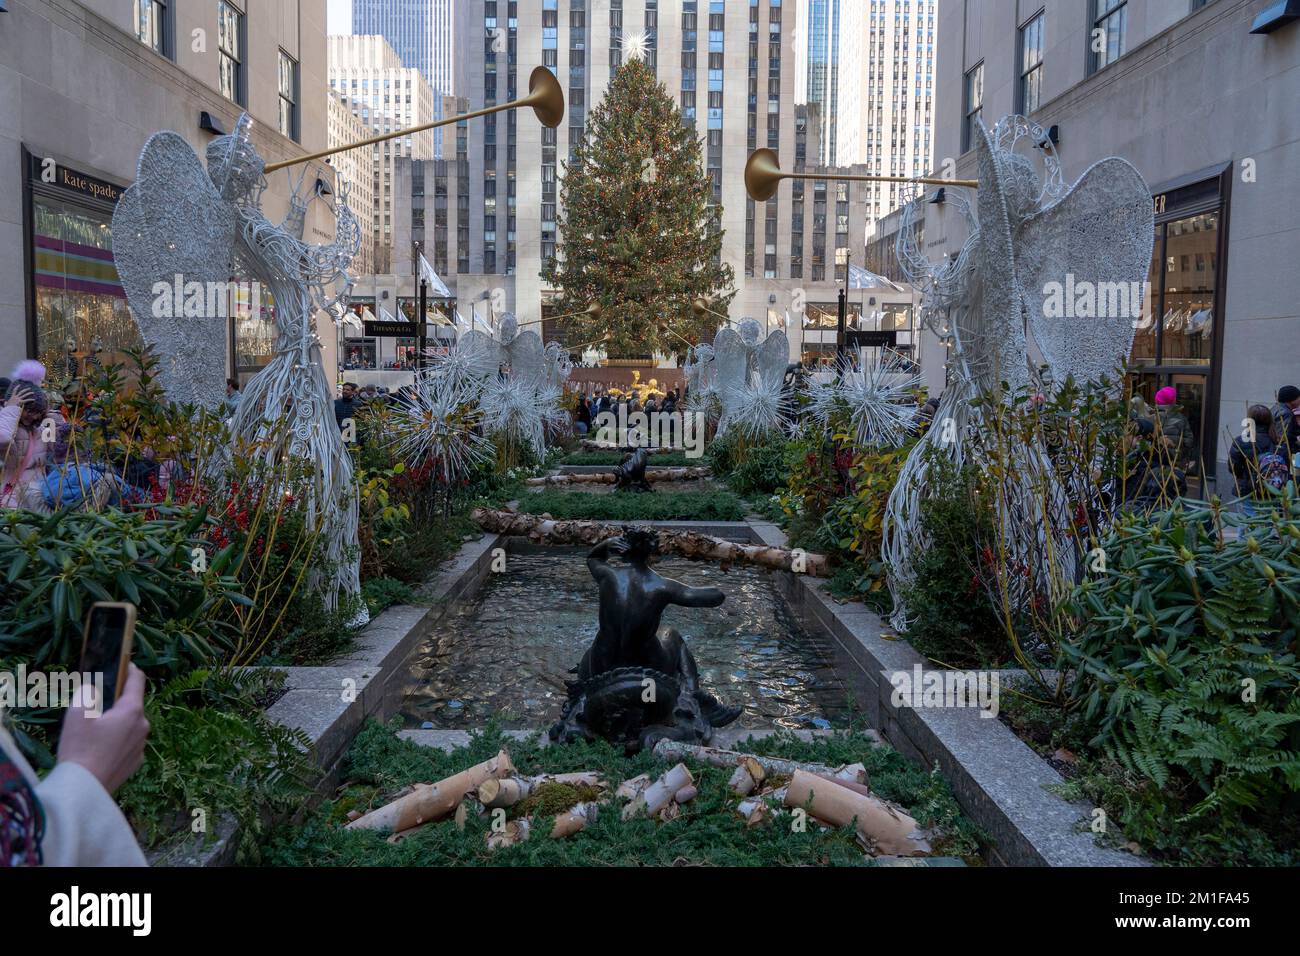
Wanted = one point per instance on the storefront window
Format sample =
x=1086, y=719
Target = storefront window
x=359, y=353
x=253, y=314
x=1188, y=317
x=1175, y=341
x=81, y=312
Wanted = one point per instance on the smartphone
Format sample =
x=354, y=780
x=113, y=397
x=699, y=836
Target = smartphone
x=106, y=646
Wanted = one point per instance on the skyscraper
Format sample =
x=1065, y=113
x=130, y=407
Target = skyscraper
x=728, y=65
x=424, y=34
x=897, y=116
x=374, y=84
x=829, y=37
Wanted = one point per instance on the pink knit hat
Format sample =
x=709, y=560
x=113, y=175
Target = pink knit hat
x=1167, y=395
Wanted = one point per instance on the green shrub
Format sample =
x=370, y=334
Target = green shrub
x=211, y=749
x=655, y=506
x=952, y=618
x=55, y=566
x=753, y=467
x=381, y=593
x=1186, y=647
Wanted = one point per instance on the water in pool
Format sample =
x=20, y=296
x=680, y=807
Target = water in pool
x=508, y=653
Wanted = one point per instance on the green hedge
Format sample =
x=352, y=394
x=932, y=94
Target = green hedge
x=628, y=506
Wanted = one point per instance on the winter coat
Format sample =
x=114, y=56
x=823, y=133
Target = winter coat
x=83, y=826
x=23, y=454
x=1243, y=464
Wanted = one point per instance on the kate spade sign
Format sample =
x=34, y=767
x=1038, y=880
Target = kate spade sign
x=45, y=169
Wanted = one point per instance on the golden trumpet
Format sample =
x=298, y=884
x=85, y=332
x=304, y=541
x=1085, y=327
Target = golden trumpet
x=544, y=96
x=595, y=310
x=701, y=308
x=763, y=175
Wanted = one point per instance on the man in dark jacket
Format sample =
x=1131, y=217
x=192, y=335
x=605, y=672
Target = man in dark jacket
x=1286, y=426
x=346, y=407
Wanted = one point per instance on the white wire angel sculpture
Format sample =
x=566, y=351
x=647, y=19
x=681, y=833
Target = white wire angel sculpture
x=209, y=226
x=1030, y=237
x=517, y=382
x=749, y=376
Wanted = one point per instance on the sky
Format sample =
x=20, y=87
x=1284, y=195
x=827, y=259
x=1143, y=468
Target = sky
x=338, y=16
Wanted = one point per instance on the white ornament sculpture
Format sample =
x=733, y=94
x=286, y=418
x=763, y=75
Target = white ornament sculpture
x=991, y=303
x=210, y=227
x=749, y=376
x=516, y=381
x=440, y=422
x=878, y=395
x=700, y=371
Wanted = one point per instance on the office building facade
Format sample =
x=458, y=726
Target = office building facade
x=1205, y=108
x=386, y=96
x=70, y=139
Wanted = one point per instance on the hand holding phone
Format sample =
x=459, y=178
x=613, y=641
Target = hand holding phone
x=110, y=746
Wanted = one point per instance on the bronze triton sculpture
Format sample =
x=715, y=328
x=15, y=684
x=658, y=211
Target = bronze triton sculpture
x=638, y=683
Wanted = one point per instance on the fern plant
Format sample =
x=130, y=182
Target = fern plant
x=212, y=752
x=1187, y=656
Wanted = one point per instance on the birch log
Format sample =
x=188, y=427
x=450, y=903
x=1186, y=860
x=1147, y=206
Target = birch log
x=493, y=793
x=631, y=789
x=508, y=791
x=570, y=822
x=882, y=828
x=515, y=831
x=748, y=777
x=433, y=801
x=688, y=544
x=660, y=793
x=771, y=766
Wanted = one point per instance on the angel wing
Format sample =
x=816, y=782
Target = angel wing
x=772, y=359
x=527, y=356
x=730, y=360
x=1096, y=239
x=991, y=329
x=172, y=226
x=558, y=366
x=483, y=353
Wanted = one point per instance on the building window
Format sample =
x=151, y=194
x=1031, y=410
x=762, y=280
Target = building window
x=1029, y=91
x=1106, y=38
x=288, y=96
x=973, y=104
x=151, y=25
x=230, y=31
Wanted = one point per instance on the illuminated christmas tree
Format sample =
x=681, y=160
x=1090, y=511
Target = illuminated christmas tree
x=637, y=233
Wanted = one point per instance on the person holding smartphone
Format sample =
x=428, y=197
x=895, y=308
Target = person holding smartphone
x=69, y=818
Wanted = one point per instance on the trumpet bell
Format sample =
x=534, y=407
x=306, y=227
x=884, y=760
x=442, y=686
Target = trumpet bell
x=545, y=97
x=762, y=175
x=594, y=310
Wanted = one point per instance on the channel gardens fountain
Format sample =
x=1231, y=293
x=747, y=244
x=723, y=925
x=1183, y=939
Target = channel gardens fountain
x=664, y=631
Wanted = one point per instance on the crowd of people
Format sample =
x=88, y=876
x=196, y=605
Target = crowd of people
x=47, y=452
x=590, y=406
